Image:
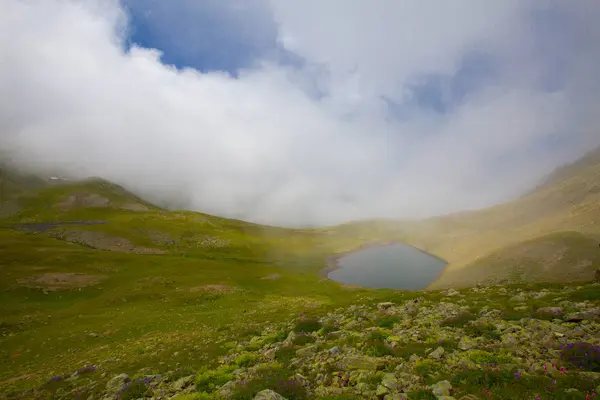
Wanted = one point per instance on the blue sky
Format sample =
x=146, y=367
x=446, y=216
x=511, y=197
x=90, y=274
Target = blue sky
x=304, y=112
x=203, y=35
x=208, y=37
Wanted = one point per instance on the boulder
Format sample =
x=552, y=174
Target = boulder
x=116, y=383
x=550, y=311
x=389, y=381
x=268, y=394
x=441, y=388
x=385, y=305
x=437, y=353
x=365, y=363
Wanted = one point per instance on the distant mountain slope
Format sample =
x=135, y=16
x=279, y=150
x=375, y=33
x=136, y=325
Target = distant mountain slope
x=480, y=243
x=568, y=201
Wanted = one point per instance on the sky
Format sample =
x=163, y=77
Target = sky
x=302, y=113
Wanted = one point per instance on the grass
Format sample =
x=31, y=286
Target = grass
x=167, y=311
x=145, y=311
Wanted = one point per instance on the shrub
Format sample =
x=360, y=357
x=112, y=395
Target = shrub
x=422, y=394
x=193, y=396
x=583, y=356
x=133, y=390
x=307, y=325
x=301, y=340
x=486, y=358
x=246, y=360
x=328, y=328
x=209, y=380
x=486, y=330
x=387, y=322
x=427, y=367
x=285, y=354
x=459, y=320
x=586, y=293
x=275, y=378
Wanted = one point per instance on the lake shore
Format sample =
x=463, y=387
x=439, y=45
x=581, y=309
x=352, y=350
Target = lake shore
x=332, y=262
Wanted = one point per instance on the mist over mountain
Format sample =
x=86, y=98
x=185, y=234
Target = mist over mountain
x=302, y=113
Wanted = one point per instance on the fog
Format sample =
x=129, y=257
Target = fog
x=397, y=109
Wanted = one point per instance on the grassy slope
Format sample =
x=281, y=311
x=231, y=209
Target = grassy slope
x=146, y=312
x=569, y=201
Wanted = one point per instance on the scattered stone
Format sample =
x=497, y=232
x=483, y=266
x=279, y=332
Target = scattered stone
x=116, y=383
x=441, y=388
x=385, y=305
x=268, y=394
x=414, y=358
x=550, y=311
x=307, y=351
x=396, y=396
x=437, y=353
x=360, y=363
x=184, y=382
x=390, y=381
x=227, y=389
x=466, y=343
x=381, y=391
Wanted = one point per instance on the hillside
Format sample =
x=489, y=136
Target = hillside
x=96, y=282
x=567, y=202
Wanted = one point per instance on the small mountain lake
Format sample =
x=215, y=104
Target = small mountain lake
x=393, y=266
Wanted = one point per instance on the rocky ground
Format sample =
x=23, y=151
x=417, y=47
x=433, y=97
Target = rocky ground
x=485, y=342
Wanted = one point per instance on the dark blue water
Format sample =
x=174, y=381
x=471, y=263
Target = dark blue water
x=395, y=266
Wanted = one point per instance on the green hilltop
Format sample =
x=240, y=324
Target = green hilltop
x=104, y=295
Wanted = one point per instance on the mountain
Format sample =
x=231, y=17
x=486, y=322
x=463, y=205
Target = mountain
x=97, y=282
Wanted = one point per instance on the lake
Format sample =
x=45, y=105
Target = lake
x=394, y=266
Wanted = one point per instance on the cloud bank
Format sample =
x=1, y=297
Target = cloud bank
x=393, y=109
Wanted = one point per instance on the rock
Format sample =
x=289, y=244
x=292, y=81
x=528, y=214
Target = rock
x=334, y=350
x=227, y=389
x=92, y=334
x=270, y=354
x=360, y=363
x=116, y=383
x=184, y=382
x=519, y=298
x=550, y=311
x=301, y=380
x=437, y=353
x=389, y=381
x=452, y=292
x=307, y=351
x=441, y=388
x=466, y=343
x=268, y=394
x=381, y=391
x=396, y=396
x=414, y=358
x=576, y=333
x=588, y=315
x=385, y=305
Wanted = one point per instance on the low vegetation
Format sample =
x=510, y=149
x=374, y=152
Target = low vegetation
x=104, y=296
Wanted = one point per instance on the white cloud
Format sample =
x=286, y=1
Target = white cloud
x=260, y=148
